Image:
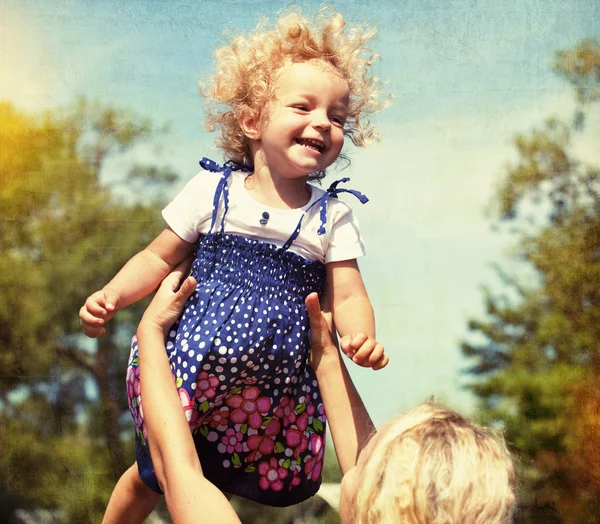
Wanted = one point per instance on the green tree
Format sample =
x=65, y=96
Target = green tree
x=64, y=234
x=536, y=355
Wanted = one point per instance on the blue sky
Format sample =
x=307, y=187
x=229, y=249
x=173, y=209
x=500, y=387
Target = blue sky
x=466, y=77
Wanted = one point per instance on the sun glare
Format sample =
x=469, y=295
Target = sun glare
x=26, y=70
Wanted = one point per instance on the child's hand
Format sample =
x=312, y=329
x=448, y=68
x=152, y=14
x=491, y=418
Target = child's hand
x=364, y=351
x=98, y=309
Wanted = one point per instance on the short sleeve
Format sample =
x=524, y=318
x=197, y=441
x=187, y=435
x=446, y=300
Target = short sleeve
x=345, y=240
x=190, y=212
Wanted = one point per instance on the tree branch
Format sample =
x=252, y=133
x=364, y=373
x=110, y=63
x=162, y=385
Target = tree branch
x=76, y=357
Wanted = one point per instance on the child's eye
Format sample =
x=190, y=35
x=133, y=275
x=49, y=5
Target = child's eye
x=338, y=120
x=301, y=107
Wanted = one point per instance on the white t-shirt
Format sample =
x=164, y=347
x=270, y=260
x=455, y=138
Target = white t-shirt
x=189, y=216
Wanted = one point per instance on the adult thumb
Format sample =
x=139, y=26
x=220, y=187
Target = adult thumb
x=313, y=308
x=188, y=286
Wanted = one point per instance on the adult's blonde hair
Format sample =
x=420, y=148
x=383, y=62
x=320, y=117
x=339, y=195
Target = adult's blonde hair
x=247, y=68
x=432, y=466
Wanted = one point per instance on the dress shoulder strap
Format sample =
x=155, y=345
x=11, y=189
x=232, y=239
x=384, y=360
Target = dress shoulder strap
x=332, y=192
x=222, y=187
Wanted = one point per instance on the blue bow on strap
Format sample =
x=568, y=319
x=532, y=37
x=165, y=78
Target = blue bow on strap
x=222, y=187
x=333, y=192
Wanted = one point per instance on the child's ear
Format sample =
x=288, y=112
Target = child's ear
x=250, y=124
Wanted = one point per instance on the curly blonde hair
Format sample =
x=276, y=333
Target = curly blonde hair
x=247, y=69
x=432, y=466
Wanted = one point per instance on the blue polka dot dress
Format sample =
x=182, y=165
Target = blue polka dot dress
x=239, y=355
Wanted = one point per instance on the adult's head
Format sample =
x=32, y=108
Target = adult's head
x=430, y=466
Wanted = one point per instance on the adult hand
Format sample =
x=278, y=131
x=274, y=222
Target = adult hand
x=322, y=345
x=168, y=302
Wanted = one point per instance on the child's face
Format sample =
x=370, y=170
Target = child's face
x=302, y=129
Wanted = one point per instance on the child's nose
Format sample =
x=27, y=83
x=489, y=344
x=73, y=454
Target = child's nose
x=321, y=120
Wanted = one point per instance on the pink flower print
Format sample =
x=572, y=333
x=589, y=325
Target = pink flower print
x=271, y=475
x=205, y=385
x=133, y=382
x=231, y=441
x=192, y=415
x=133, y=394
x=285, y=411
x=263, y=444
x=296, y=439
x=260, y=445
x=314, y=465
x=218, y=418
x=302, y=421
x=186, y=403
x=321, y=410
x=273, y=427
x=296, y=480
x=248, y=406
x=310, y=409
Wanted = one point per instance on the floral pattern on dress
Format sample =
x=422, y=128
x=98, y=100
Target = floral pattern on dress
x=248, y=430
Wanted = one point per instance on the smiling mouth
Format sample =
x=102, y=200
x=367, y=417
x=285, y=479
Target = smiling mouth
x=315, y=145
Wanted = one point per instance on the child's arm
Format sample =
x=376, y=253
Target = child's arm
x=139, y=277
x=353, y=314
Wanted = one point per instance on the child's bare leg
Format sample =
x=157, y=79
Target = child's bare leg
x=131, y=500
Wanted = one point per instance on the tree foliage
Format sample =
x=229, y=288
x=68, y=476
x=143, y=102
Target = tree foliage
x=536, y=356
x=62, y=236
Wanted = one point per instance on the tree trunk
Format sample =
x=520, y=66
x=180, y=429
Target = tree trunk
x=109, y=404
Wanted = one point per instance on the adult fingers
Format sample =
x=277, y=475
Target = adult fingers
x=179, y=273
x=185, y=290
x=319, y=332
x=313, y=308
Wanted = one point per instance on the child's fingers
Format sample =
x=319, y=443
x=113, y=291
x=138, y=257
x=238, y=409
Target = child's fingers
x=382, y=362
x=88, y=318
x=376, y=355
x=350, y=344
x=92, y=330
x=111, y=300
x=361, y=357
x=345, y=345
x=93, y=307
x=358, y=340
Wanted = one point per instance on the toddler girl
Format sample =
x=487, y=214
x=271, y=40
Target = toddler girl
x=263, y=239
